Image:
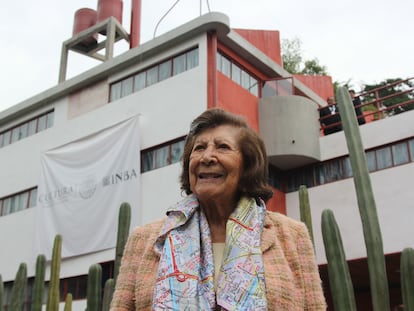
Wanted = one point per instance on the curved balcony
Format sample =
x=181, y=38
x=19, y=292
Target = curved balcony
x=289, y=126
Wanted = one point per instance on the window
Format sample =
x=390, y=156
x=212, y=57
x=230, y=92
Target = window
x=154, y=74
x=6, y=138
x=223, y=65
x=177, y=151
x=33, y=197
x=161, y=156
x=165, y=70
x=179, y=64
x=41, y=123
x=6, y=206
x=23, y=130
x=384, y=159
x=116, y=91
x=139, y=81
x=254, y=86
x=371, y=162
x=32, y=126
x=15, y=134
x=237, y=74
x=27, y=129
x=400, y=153
x=127, y=86
x=18, y=202
x=381, y=158
x=347, y=167
x=192, y=59
x=50, y=119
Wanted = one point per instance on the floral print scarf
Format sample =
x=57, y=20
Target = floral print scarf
x=186, y=268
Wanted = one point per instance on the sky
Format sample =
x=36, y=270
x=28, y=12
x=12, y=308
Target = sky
x=358, y=41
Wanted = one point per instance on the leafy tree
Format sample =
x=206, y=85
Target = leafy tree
x=312, y=67
x=294, y=63
x=291, y=55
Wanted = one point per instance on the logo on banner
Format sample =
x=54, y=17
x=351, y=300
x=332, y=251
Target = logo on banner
x=119, y=177
x=86, y=189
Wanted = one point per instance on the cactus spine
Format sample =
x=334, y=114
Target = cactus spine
x=305, y=213
x=124, y=222
x=108, y=293
x=94, y=288
x=407, y=278
x=53, y=295
x=366, y=203
x=19, y=288
x=68, y=302
x=339, y=277
x=39, y=283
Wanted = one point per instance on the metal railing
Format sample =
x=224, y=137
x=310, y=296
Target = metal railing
x=382, y=102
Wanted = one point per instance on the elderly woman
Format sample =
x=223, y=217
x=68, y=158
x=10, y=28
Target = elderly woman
x=219, y=248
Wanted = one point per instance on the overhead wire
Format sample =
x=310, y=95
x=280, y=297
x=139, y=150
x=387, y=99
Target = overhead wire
x=170, y=9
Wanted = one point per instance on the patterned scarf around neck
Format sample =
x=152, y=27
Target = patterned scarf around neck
x=186, y=268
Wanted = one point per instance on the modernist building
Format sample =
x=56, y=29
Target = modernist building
x=167, y=82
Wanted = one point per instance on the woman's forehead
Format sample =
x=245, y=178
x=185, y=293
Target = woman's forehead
x=221, y=132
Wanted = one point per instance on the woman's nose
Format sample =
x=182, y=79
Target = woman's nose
x=209, y=156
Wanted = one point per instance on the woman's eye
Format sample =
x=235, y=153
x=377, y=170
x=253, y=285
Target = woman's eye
x=198, y=147
x=223, y=146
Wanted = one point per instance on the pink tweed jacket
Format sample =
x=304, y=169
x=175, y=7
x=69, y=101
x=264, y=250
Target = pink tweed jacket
x=291, y=274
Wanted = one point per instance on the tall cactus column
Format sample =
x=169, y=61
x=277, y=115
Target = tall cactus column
x=366, y=203
x=39, y=283
x=53, y=298
x=124, y=222
x=407, y=278
x=305, y=212
x=340, y=280
x=19, y=288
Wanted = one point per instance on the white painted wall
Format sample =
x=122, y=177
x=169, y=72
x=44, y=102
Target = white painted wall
x=392, y=191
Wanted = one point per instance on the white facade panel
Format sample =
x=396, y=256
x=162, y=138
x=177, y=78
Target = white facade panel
x=393, y=196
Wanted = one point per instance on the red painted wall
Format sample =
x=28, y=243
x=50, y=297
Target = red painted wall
x=267, y=41
x=321, y=85
x=278, y=202
x=232, y=97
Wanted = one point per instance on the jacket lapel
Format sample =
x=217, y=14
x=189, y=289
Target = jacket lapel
x=268, y=238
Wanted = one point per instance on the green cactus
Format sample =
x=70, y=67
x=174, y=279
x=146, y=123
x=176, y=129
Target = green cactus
x=305, y=213
x=19, y=288
x=53, y=295
x=1, y=293
x=407, y=278
x=108, y=293
x=94, y=288
x=39, y=283
x=124, y=222
x=68, y=302
x=339, y=277
x=366, y=203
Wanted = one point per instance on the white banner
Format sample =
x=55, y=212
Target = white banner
x=82, y=185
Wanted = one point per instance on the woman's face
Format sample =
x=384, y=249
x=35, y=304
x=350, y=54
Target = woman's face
x=216, y=165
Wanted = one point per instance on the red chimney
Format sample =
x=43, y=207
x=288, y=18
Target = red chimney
x=135, y=30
